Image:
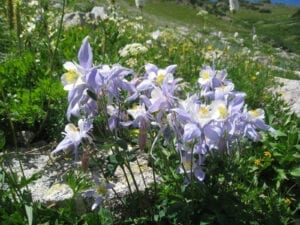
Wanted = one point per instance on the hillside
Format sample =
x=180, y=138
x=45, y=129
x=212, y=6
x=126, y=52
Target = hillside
x=274, y=24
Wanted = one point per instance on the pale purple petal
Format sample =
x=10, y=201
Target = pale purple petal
x=97, y=202
x=64, y=144
x=261, y=125
x=191, y=132
x=171, y=69
x=85, y=55
x=145, y=85
x=199, y=174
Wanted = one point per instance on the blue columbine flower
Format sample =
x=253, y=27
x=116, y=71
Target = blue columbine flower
x=74, y=136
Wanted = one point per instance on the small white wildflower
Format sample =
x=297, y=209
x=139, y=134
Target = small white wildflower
x=149, y=42
x=139, y=3
x=202, y=12
x=156, y=34
x=133, y=50
x=236, y=34
x=254, y=37
x=233, y=5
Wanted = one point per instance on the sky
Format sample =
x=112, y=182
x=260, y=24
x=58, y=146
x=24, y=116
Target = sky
x=287, y=2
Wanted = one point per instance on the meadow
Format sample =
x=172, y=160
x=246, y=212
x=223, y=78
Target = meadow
x=187, y=87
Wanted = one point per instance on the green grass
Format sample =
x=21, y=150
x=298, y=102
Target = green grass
x=277, y=28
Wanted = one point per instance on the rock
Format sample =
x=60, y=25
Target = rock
x=50, y=185
x=25, y=137
x=57, y=193
x=81, y=18
x=98, y=12
x=290, y=92
x=74, y=19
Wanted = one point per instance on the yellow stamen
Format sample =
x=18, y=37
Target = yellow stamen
x=160, y=78
x=101, y=190
x=255, y=112
x=223, y=111
x=203, y=111
x=71, y=76
x=205, y=75
x=187, y=165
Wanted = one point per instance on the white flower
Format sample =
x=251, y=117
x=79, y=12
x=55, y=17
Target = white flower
x=73, y=77
x=156, y=34
x=206, y=76
x=233, y=5
x=202, y=12
x=137, y=111
x=139, y=3
x=255, y=114
x=133, y=50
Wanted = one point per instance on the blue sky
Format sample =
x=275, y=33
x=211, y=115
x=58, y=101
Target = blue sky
x=287, y=2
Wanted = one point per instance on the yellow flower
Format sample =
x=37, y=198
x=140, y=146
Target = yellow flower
x=135, y=132
x=253, y=78
x=257, y=162
x=267, y=154
x=209, y=47
x=246, y=65
x=288, y=200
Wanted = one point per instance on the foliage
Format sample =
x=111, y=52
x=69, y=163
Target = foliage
x=253, y=183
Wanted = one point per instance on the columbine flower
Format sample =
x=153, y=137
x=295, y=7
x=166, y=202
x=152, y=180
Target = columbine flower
x=255, y=120
x=190, y=166
x=206, y=76
x=100, y=192
x=109, y=80
x=74, y=136
x=156, y=77
x=73, y=77
x=75, y=74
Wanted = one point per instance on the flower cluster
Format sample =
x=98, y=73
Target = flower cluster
x=133, y=50
x=212, y=119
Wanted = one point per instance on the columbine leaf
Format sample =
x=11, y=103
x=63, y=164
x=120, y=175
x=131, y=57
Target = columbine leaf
x=295, y=172
x=29, y=213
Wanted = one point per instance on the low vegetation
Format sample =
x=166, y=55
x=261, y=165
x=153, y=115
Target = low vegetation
x=232, y=160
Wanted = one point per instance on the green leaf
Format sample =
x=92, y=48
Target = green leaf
x=295, y=172
x=29, y=213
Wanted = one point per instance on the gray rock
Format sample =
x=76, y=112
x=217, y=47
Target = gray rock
x=74, y=19
x=98, y=12
x=289, y=92
x=25, y=137
x=50, y=188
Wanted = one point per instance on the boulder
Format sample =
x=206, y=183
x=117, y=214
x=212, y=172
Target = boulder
x=98, y=12
x=74, y=19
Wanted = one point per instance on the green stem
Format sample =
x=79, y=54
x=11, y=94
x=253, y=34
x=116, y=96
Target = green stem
x=58, y=35
x=12, y=127
x=141, y=172
x=127, y=164
x=126, y=178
